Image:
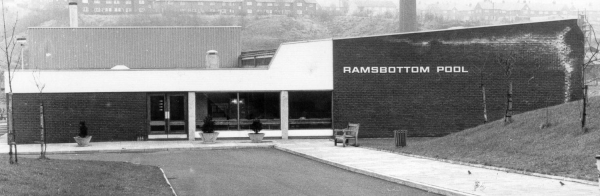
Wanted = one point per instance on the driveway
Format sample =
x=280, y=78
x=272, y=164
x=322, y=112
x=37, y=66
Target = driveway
x=253, y=172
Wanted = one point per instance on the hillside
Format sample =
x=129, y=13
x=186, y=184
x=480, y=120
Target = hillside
x=562, y=149
x=261, y=32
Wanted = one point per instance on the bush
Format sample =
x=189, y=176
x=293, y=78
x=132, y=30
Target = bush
x=209, y=125
x=256, y=126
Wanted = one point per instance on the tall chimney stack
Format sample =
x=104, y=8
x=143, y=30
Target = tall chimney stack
x=73, y=18
x=408, y=15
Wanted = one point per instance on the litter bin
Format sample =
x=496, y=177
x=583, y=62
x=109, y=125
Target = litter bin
x=400, y=137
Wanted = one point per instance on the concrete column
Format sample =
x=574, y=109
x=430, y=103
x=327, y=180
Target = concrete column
x=598, y=166
x=191, y=118
x=284, y=114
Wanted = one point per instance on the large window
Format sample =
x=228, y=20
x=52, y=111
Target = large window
x=223, y=107
x=310, y=110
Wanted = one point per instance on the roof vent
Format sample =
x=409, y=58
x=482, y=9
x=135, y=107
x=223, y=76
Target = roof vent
x=120, y=67
x=212, y=59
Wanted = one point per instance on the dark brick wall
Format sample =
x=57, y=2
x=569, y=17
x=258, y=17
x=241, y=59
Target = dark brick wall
x=545, y=58
x=108, y=116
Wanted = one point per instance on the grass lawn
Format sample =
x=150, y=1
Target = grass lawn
x=76, y=177
x=561, y=149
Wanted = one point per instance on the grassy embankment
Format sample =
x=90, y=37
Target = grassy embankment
x=75, y=177
x=561, y=149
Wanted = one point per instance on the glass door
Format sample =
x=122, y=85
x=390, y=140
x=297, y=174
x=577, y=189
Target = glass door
x=157, y=114
x=176, y=114
x=167, y=113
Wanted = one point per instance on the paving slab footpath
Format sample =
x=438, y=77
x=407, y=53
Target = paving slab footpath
x=434, y=176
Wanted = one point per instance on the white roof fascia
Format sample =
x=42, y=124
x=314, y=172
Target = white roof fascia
x=299, y=66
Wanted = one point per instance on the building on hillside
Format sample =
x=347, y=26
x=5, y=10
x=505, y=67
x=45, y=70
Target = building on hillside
x=372, y=7
x=509, y=11
x=500, y=11
x=156, y=82
x=279, y=7
x=340, y=8
x=110, y=7
x=450, y=11
x=225, y=7
x=230, y=7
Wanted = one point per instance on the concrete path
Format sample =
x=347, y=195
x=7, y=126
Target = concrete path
x=438, y=177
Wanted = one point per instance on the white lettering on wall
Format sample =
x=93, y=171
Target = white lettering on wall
x=414, y=69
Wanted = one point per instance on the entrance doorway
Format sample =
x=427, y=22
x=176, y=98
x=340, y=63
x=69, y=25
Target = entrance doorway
x=167, y=114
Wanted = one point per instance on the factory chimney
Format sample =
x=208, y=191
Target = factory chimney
x=408, y=15
x=73, y=19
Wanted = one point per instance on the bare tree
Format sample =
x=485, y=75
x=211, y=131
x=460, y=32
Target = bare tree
x=483, y=59
x=40, y=85
x=10, y=64
x=507, y=58
x=591, y=44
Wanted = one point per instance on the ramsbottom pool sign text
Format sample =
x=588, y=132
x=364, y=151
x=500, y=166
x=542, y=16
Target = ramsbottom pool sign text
x=416, y=69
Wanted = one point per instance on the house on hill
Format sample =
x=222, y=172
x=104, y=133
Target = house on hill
x=371, y=8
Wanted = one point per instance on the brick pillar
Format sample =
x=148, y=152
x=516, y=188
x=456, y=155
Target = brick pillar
x=191, y=118
x=285, y=110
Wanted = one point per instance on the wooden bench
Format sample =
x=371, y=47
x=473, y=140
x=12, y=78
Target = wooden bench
x=350, y=133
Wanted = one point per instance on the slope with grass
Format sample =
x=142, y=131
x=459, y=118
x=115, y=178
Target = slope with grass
x=562, y=149
x=75, y=177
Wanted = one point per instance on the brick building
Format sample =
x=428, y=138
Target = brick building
x=372, y=7
x=226, y=7
x=429, y=83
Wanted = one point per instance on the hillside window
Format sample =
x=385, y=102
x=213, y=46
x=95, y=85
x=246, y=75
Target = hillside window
x=299, y=4
x=249, y=11
x=86, y=9
x=142, y=2
x=299, y=12
x=84, y=1
x=259, y=4
x=109, y=2
x=269, y=4
x=129, y=2
x=117, y=2
x=288, y=4
x=96, y=1
x=248, y=3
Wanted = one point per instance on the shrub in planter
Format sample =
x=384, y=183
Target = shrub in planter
x=83, y=139
x=256, y=127
x=208, y=130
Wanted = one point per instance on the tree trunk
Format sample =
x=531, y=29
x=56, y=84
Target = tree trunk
x=509, y=102
x=10, y=136
x=42, y=133
x=485, y=118
x=583, y=115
